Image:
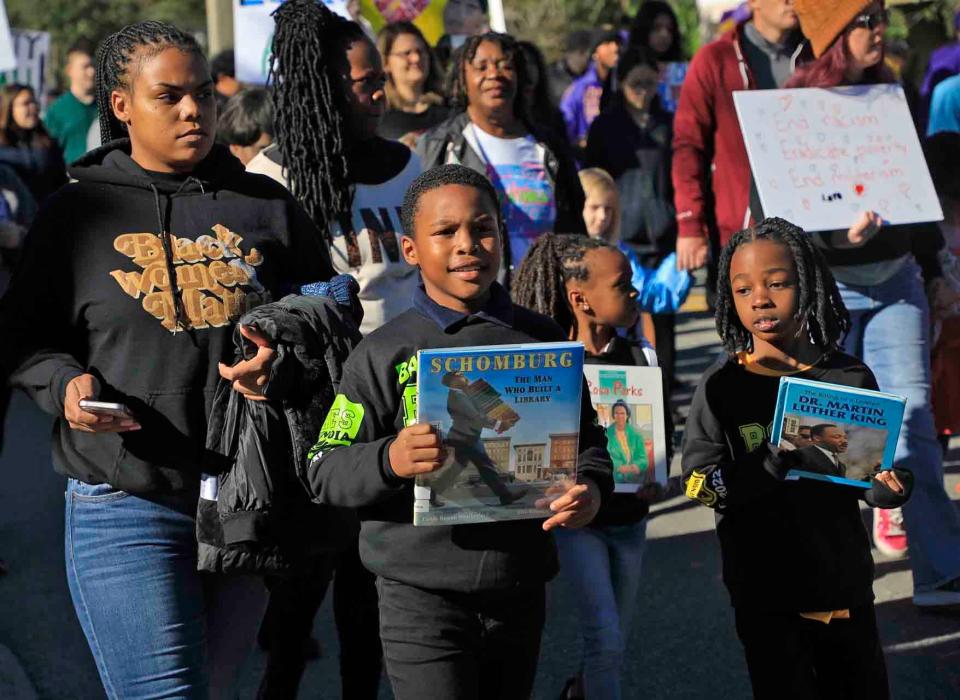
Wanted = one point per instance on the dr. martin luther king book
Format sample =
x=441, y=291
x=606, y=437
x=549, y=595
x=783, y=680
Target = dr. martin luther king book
x=841, y=434
x=509, y=416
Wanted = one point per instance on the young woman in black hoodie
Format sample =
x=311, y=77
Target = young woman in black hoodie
x=129, y=288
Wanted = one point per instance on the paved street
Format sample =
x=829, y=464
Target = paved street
x=682, y=646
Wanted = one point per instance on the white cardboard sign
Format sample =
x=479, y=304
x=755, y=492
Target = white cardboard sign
x=253, y=36
x=821, y=156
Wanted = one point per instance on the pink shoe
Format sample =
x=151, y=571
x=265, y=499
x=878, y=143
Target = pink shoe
x=888, y=533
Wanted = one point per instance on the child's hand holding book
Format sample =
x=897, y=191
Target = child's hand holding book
x=575, y=508
x=416, y=450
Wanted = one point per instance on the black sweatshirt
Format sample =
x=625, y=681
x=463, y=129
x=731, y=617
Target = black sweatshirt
x=92, y=294
x=350, y=466
x=787, y=546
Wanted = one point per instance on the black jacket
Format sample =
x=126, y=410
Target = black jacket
x=787, y=546
x=93, y=294
x=446, y=143
x=261, y=519
x=639, y=160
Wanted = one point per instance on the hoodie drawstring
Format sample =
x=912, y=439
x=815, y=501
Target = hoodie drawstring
x=180, y=314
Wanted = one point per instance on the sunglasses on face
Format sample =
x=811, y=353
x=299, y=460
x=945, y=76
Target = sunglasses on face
x=871, y=20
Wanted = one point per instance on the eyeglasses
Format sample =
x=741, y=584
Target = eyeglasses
x=408, y=54
x=871, y=20
x=503, y=65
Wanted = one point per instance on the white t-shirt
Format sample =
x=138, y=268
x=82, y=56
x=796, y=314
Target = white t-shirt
x=368, y=246
x=515, y=167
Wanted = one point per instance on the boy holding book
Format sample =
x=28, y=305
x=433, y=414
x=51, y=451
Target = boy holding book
x=462, y=606
x=796, y=556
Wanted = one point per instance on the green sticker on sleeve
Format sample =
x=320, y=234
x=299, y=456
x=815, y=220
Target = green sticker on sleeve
x=340, y=426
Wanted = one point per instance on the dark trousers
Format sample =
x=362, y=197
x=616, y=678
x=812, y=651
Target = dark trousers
x=792, y=658
x=464, y=454
x=460, y=646
x=358, y=627
x=288, y=624
x=665, y=338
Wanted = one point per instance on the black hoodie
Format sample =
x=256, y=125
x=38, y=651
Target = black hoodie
x=92, y=294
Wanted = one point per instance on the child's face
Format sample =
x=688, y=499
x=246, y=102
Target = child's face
x=598, y=213
x=456, y=244
x=608, y=290
x=763, y=279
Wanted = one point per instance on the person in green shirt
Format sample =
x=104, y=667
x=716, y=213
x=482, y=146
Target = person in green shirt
x=626, y=447
x=69, y=118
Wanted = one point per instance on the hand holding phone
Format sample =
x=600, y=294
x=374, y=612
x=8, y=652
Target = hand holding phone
x=102, y=417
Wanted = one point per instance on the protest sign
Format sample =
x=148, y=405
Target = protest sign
x=821, y=156
x=32, y=51
x=8, y=59
x=253, y=36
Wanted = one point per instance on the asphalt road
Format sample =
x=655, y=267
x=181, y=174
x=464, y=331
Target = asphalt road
x=682, y=645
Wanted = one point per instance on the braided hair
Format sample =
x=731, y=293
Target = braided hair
x=819, y=305
x=552, y=261
x=457, y=78
x=307, y=68
x=116, y=55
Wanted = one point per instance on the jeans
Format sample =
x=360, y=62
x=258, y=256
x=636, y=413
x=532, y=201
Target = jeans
x=156, y=626
x=890, y=333
x=603, y=566
x=444, y=645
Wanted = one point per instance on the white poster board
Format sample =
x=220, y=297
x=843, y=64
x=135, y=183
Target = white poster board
x=8, y=59
x=32, y=51
x=821, y=156
x=253, y=36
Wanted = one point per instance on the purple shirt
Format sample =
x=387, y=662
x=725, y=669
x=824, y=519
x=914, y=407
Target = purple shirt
x=581, y=104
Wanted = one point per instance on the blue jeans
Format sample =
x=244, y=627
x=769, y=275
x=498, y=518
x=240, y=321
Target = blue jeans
x=890, y=333
x=603, y=566
x=156, y=626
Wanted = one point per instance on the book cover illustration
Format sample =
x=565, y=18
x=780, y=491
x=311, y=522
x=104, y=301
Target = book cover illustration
x=509, y=416
x=841, y=434
x=629, y=406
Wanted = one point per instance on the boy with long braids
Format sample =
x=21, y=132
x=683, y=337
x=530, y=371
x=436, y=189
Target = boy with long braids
x=131, y=282
x=801, y=585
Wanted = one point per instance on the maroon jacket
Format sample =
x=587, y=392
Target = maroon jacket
x=711, y=173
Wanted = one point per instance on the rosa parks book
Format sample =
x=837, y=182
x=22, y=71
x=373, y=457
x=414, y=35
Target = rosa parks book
x=509, y=416
x=629, y=405
x=840, y=434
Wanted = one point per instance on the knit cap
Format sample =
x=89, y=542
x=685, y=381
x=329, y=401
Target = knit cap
x=822, y=21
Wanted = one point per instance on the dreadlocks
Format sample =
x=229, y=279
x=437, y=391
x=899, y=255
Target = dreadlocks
x=442, y=175
x=457, y=78
x=552, y=261
x=115, y=56
x=819, y=304
x=307, y=68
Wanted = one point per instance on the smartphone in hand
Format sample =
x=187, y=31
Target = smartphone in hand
x=105, y=408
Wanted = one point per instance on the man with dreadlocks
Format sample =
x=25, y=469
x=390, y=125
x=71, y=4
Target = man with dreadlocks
x=328, y=84
x=796, y=557
x=131, y=282
x=490, y=132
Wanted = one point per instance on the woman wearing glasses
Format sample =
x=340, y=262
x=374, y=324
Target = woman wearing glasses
x=881, y=272
x=413, y=91
x=491, y=133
